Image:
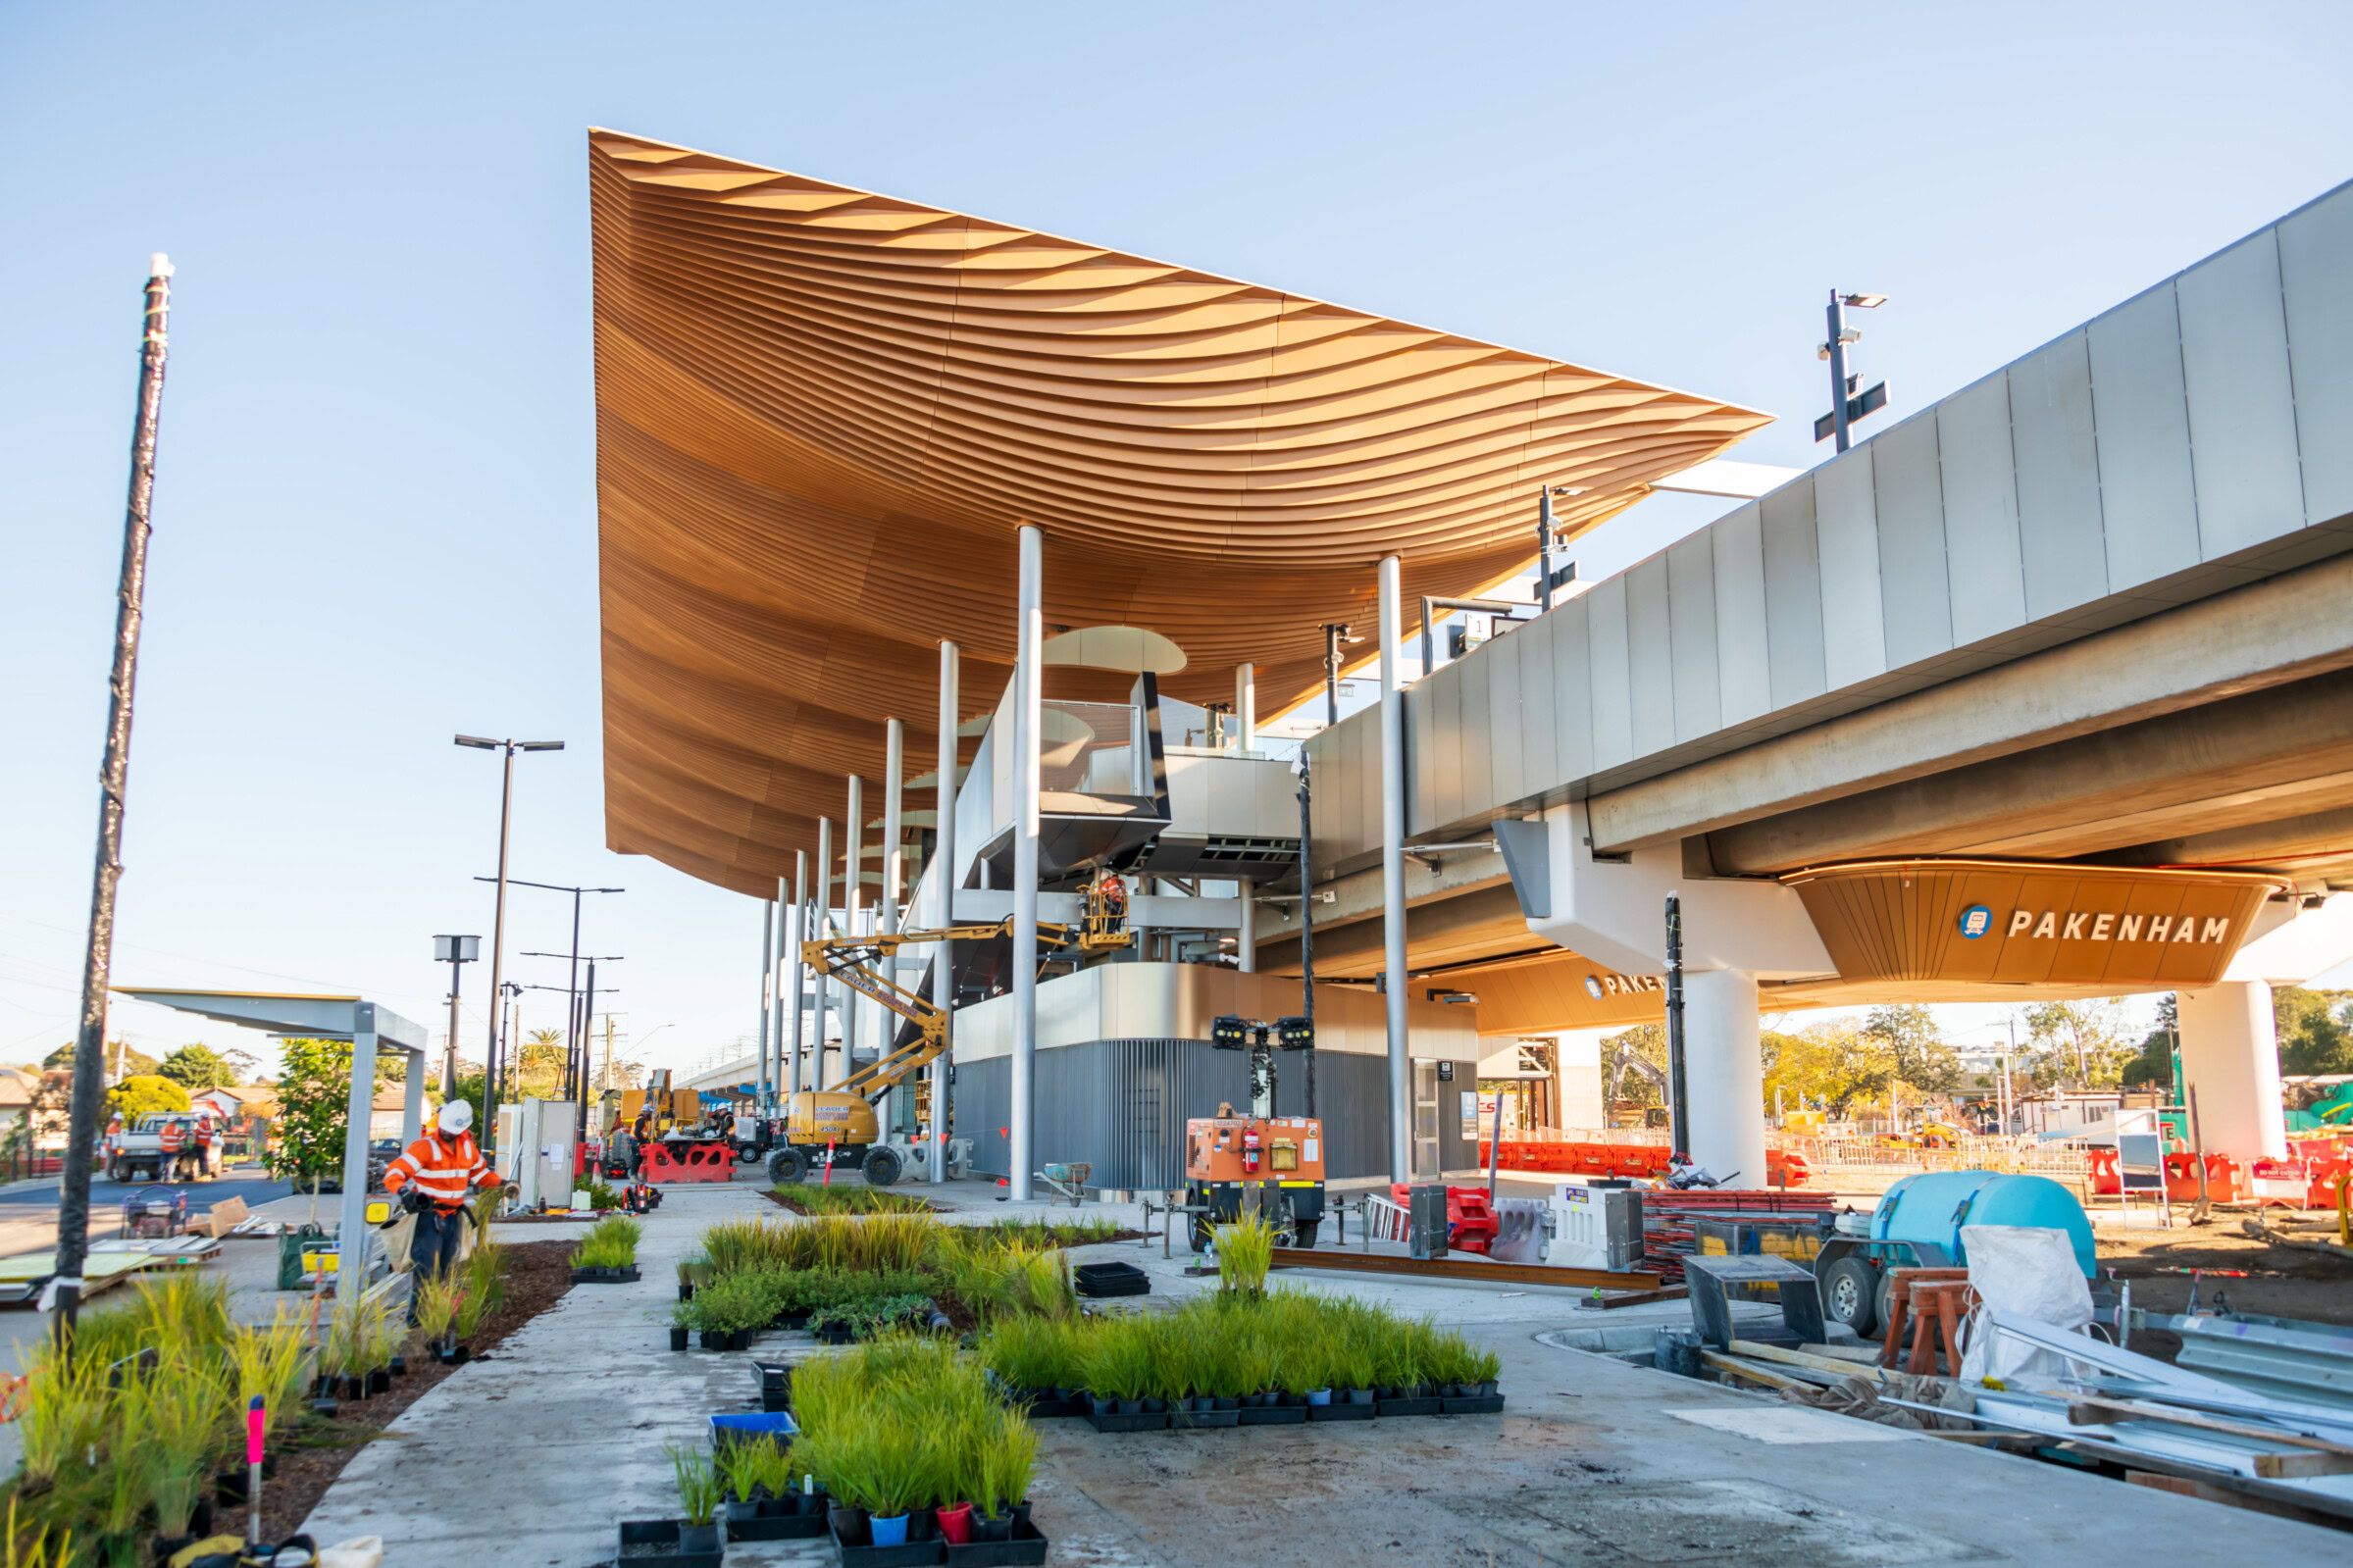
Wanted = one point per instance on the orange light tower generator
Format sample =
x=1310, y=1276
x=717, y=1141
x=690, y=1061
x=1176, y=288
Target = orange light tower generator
x=1261, y=1163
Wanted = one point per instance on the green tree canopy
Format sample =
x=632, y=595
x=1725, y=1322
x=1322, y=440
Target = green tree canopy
x=1915, y=1048
x=197, y=1068
x=133, y=1062
x=2315, y=1030
x=146, y=1095
x=314, y=1093
x=2079, y=1044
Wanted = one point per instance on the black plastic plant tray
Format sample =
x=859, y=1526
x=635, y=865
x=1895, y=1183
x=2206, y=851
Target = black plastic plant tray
x=773, y=1377
x=1474, y=1405
x=1046, y=1407
x=1181, y=1419
x=605, y=1275
x=914, y=1554
x=1140, y=1421
x=1338, y=1411
x=1410, y=1407
x=1272, y=1415
x=1110, y=1279
x=1026, y=1546
x=653, y=1543
x=778, y=1527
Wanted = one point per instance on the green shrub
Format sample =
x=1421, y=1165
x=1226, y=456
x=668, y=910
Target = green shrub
x=1244, y=1252
x=700, y=1486
x=611, y=1244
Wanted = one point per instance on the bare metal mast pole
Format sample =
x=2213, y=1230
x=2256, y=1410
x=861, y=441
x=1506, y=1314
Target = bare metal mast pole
x=89, y=1048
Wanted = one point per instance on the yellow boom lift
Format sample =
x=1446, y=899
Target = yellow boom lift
x=839, y=1122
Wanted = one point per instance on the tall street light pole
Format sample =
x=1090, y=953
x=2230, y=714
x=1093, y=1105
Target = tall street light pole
x=488, y=1133
x=114, y=772
x=454, y=951
x=1846, y=404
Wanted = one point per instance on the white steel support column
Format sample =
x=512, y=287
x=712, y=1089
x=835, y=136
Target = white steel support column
x=1027, y=701
x=894, y=769
x=767, y=989
x=412, y=1103
x=1246, y=705
x=821, y=924
x=944, y=912
x=1246, y=929
x=356, y=1232
x=853, y=865
x=1725, y=1074
x=2231, y=1059
x=793, y=978
x=1393, y=881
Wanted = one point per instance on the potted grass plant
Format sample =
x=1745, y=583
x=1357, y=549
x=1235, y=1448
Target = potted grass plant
x=700, y=1490
x=682, y=1317
x=1244, y=1252
x=741, y=1467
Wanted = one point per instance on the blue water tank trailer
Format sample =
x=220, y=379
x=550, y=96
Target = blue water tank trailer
x=1919, y=1223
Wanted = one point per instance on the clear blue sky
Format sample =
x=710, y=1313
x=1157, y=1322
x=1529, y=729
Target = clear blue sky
x=376, y=508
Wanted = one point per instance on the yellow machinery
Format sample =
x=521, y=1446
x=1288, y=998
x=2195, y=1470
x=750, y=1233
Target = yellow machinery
x=839, y=1122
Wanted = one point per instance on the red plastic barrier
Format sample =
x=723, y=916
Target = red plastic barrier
x=1470, y=1220
x=689, y=1162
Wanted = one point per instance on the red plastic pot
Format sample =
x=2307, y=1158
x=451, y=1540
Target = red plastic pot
x=955, y=1524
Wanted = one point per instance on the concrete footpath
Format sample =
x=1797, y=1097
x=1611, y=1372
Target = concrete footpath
x=532, y=1457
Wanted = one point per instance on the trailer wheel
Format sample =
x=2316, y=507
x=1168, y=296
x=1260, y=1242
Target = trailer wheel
x=1307, y=1232
x=1199, y=1232
x=883, y=1166
x=785, y=1166
x=1851, y=1295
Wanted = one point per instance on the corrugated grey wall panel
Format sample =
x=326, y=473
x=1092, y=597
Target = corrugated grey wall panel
x=1540, y=742
x=1793, y=595
x=2315, y=271
x=1982, y=565
x=2242, y=417
x=1477, y=742
x=1446, y=736
x=1120, y=1106
x=1572, y=687
x=1505, y=730
x=2059, y=525
x=1915, y=607
x=1691, y=632
x=1743, y=680
x=1846, y=528
x=1612, y=686
x=1649, y=657
x=2141, y=423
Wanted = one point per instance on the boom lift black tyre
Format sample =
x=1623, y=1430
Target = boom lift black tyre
x=1851, y=1294
x=787, y=1167
x=1307, y=1232
x=883, y=1166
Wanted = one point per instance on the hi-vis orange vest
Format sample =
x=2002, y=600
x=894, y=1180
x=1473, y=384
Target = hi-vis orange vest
x=444, y=1170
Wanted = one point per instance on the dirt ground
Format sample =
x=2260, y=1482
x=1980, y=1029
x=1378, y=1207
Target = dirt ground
x=537, y=1273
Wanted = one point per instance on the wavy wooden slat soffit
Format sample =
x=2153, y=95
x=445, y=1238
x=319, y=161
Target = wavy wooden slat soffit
x=821, y=414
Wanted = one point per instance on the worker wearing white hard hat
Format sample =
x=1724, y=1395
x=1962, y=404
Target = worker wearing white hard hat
x=432, y=1177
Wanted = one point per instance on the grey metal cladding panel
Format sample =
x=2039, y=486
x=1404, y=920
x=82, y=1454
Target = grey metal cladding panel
x=1743, y=676
x=1691, y=628
x=1502, y=722
x=2060, y=534
x=1447, y=735
x=1984, y=572
x=1572, y=691
x=1478, y=743
x=1649, y=657
x=2315, y=271
x=1540, y=735
x=1793, y=594
x=1914, y=608
x=1611, y=682
x=1846, y=530
x=2140, y=418
x=2242, y=414
x=1416, y=699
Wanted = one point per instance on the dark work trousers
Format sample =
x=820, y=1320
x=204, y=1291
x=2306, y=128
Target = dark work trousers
x=433, y=1251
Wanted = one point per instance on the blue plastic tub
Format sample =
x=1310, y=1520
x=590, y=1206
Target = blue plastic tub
x=1935, y=1206
x=751, y=1426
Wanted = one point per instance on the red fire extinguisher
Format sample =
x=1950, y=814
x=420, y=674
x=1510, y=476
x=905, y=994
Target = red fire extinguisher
x=1249, y=1151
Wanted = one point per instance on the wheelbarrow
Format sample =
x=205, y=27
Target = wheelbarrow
x=1069, y=1179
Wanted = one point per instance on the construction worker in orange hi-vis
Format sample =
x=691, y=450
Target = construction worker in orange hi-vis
x=432, y=1177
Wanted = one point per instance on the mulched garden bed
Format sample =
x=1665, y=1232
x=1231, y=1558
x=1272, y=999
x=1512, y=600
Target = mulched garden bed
x=787, y=1199
x=537, y=1274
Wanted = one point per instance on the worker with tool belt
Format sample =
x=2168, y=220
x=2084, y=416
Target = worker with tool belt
x=433, y=1178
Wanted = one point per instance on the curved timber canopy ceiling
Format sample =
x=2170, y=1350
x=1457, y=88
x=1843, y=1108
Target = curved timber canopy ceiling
x=822, y=413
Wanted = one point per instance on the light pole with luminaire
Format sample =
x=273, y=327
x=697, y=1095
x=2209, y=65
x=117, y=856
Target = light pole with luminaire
x=453, y=951
x=1846, y=404
x=506, y=800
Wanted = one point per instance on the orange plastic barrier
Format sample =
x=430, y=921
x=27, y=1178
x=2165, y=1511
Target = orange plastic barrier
x=1471, y=1221
x=689, y=1162
x=1636, y=1161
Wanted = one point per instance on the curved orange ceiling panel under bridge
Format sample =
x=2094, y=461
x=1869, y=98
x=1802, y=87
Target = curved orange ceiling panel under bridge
x=822, y=413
